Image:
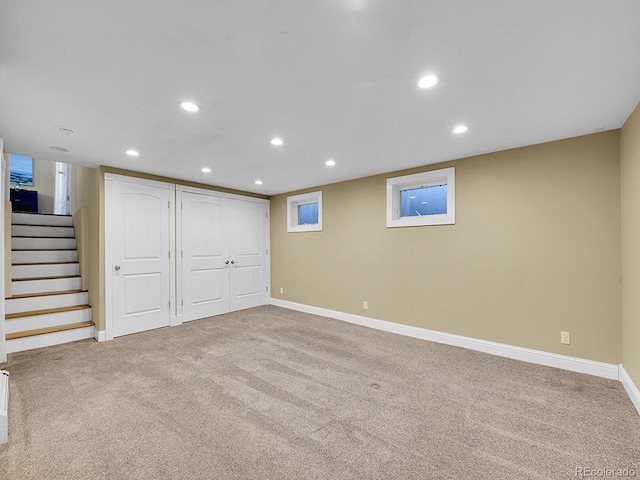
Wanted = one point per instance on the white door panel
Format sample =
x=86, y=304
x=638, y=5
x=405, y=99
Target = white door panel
x=248, y=280
x=142, y=293
x=248, y=245
x=205, y=256
x=140, y=240
x=207, y=285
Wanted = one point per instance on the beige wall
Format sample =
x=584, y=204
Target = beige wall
x=630, y=186
x=89, y=196
x=535, y=250
x=44, y=182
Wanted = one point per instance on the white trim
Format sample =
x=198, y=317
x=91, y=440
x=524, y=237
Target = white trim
x=217, y=193
x=293, y=202
x=396, y=185
x=103, y=335
x=108, y=242
x=173, y=309
x=630, y=387
x=179, y=248
x=99, y=335
x=113, y=177
x=3, y=193
x=599, y=369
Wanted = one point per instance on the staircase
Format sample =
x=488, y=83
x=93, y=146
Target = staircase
x=47, y=305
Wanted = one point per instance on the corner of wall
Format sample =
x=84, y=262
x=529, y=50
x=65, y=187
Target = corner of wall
x=630, y=240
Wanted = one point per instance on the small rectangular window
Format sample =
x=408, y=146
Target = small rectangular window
x=308, y=214
x=304, y=212
x=417, y=202
x=426, y=198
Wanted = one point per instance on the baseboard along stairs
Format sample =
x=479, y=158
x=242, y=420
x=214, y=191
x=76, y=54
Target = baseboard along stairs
x=47, y=305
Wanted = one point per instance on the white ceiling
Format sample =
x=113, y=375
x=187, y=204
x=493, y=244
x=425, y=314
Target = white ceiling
x=334, y=78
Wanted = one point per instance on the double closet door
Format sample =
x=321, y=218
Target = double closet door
x=176, y=254
x=223, y=262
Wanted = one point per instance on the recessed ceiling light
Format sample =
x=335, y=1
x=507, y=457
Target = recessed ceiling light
x=58, y=149
x=132, y=153
x=206, y=170
x=428, y=81
x=460, y=129
x=190, y=106
x=66, y=131
x=277, y=141
x=330, y=163
x=258, y=182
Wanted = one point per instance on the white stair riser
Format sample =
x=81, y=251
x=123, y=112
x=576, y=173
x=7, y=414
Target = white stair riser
x=47, y=340
x=41, y=286
x=41, y=231
x=35, y=219
x=35, y=322
x=18, y=305
x=35, y=256
x=42, y=243
x=57, y=270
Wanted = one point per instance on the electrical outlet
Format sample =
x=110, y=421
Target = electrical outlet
x=565, y=338
x=281, y=290
x=365, y=305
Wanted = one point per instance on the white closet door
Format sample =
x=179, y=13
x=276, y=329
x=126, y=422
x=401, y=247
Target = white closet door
x=140, y=241
x=205, y=249
x=248, y=234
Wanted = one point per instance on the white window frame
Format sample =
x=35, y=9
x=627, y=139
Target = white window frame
x=395, y=185
x=294, y=202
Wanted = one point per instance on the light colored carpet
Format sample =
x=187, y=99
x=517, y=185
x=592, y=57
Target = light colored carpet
x=270, y=393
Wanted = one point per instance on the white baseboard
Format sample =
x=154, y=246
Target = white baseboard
x=599, y=369
x=630, y=387
x=103, y=335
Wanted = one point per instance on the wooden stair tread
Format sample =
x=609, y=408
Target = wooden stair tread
x=41, y=263
x=45, y=294
x=43, y=278
x=39, y=225
x=47, y=311
x=36, y=236
x=44, y=331
x=43, y=249
x=40, y=213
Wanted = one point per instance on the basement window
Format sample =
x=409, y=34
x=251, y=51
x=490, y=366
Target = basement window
x=426, y=198
x=304, y=212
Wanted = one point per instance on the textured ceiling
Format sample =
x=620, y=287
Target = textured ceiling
x=334, y=78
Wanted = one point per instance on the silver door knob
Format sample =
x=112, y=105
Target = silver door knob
x=232, y=262
x=227, y=262
x=117, y=267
